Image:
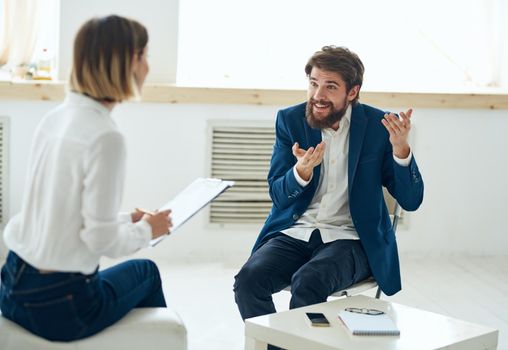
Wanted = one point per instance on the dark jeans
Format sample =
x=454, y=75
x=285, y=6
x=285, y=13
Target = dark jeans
x=66, y=306
x=313, y=269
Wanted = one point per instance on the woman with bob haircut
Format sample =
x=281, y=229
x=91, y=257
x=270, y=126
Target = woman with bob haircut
x=69, y=217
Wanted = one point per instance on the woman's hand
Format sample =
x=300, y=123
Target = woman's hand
x=136, y=216
x=160, y=222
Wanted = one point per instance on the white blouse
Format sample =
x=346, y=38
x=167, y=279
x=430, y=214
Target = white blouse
x=76, y=170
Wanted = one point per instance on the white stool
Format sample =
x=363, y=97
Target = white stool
x=142, y=328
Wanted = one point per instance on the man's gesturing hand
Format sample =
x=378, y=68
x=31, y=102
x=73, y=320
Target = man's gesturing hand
x=308, y=159
x=399, y=132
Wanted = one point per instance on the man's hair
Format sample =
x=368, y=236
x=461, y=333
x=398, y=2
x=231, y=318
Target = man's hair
x=104, y=50
x=339, y=60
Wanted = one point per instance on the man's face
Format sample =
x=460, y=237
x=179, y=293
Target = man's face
x=327, y=99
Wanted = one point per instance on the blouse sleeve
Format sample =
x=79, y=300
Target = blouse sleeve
x=103, y=232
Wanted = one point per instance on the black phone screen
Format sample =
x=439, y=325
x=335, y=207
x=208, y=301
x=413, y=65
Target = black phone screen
x=317, y=319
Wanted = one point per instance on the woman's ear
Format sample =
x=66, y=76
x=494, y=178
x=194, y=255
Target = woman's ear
x=140, y=68
x=139, y=56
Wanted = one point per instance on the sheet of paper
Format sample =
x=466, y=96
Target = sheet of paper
x=192, y=199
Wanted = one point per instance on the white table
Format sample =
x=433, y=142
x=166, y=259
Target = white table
x=418, y=330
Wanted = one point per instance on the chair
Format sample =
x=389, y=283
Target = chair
x=150, y=328
x=357, y=288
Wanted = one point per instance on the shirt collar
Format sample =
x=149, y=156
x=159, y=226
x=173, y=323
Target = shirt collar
x=347, y=116
x=77, y=98
x=343, y=123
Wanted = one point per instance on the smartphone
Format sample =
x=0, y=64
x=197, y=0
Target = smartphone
x=317, y=319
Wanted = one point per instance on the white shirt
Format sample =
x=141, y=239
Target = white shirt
x=329, y=209
x=76, y=170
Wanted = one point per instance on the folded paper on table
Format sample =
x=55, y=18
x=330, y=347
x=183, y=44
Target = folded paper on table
x=362, y=324
x=191, y=200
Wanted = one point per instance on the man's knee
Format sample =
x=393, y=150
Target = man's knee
x=309, y=282
x=248, y=279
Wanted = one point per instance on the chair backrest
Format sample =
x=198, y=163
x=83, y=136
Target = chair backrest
x=394, y=209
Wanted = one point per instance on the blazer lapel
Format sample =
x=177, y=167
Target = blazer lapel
x=356, y=136
x=313, y=136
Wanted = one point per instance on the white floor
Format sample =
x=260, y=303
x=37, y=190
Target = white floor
x=474, y=289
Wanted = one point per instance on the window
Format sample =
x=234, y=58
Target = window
x=406, y=45
x=47, y=38
x=29, y=34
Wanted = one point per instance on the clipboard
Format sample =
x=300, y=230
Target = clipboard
x=191, y=200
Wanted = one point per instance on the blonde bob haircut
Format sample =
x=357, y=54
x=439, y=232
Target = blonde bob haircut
x=104, y=52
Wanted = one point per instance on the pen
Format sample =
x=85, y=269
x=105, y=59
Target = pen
x=144, y=211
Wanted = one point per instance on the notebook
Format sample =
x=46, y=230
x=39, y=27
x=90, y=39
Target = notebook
x=191, y=200
x=362, y=324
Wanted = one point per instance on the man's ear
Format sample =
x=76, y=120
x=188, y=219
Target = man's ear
x=353, y=92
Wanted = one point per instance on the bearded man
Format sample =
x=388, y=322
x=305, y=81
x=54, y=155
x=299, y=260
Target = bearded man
x=329, y=226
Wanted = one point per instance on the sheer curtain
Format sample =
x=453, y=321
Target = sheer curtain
x=4, y=34
x=19, y=31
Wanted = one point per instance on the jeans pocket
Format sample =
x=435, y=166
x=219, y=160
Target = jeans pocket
x=55, y=319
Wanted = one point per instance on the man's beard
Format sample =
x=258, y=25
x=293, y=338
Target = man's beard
x=331, y=119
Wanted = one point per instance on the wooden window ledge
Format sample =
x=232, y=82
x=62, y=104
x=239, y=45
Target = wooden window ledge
x=165, y=93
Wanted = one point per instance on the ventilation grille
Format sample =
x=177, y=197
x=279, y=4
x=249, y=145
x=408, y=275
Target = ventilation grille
x=4, y=133
x=241, y=152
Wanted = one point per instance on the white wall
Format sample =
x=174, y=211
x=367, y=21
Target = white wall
x=159, y=16
x=461, y=154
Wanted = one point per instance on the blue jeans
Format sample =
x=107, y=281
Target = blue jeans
x=314, y=270
x=65, y=306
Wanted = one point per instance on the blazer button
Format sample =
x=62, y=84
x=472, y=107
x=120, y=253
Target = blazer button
x=295, y=217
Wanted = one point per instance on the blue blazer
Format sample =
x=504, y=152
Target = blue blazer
x=370, y=167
